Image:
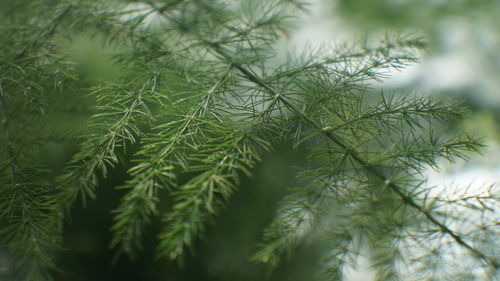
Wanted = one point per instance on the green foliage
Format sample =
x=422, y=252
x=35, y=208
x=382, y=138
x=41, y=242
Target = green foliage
x=423, y=14
x=196, y=105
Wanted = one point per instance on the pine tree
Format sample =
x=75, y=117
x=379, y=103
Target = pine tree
x=199, y=95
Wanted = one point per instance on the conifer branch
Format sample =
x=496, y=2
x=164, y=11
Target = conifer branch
x=197, y=201
x=165, y=153
x=117, y=121
x=374, y=171
x=44, y=34
x=9, y=149
x=30, y=225
x=28, y=210
x=199, y=98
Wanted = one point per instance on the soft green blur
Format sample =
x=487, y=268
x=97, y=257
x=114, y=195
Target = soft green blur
x=463, y=60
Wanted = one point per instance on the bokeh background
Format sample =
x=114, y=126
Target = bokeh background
x=462, y=61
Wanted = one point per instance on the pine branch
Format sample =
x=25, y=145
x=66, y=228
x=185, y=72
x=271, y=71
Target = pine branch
x=200, y=199
x=163, y=152
x=117, y=122
x=44, y=34
x=297, y=217
x=201, y=99
x=30, y=224
x=28, y=210
x=374, y=171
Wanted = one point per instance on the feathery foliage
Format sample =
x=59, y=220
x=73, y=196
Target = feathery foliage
x=200, y=97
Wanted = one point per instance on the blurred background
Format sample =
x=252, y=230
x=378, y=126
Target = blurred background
x=462, y=62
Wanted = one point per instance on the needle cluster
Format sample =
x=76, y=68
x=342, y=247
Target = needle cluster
x=200, y=97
